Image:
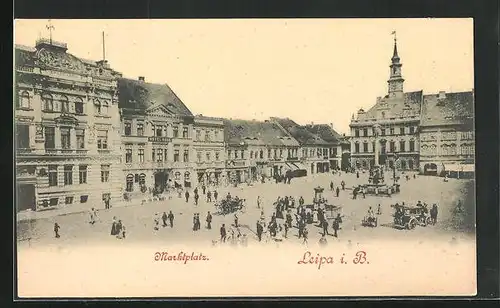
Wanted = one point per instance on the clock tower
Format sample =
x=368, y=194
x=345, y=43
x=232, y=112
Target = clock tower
x=396, y=80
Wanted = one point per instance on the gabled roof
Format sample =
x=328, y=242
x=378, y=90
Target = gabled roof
x=300, y=133
x=409, y=106
x=252, y=132
x=325, y=132
x=137, y=94
x=455, y=108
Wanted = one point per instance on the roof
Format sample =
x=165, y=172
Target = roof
x=389, y=108
x=136, y=94
x=325, y=132
x=55, y=57
x=256, y=133
x=301, y=133
x=455, y=108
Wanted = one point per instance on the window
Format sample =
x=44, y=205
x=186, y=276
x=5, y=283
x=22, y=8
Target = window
x=23, y=136
x=275, y=154
x=129, y=183
x=373, y=146
x=251, y=154
x=176, y=131
x=412, y=129
x=159, y=131
x=52, y=175
x=229, y=153
x=217, y=156
x=65, y=138
x=198, y=135
x=68, y=200
x=64, y=105
x=159, y=155
x=410, y=164
x=261, y=154
x=142, y=179
x=412, y=146
x=47, y=102
x=208, y=156
x=242, y=154
x=98, y=107
x=186, y=155
x=128, y=156
x=365, y=147
x=53, y=201
x=235, y=154
x=281, y=152
x=391, y=131
x=176, y=155
x=68, y=175
x=198, y=156
x=216, y=135
x=365, y=132
x=102, y=139
x=382, y=132
x=80, y=138
x=79, y=106
x=269, y=153
x=403, y=164
x=140, y=129
x=356, y=132
x=356, y=147
x=402, y=146
x=185, y=132
x=82, y=174
x=105, y=173
x=165, y=153
x=177, y=176
x=392, y=146
x=141, y=155
x=186, y=176
x=128, y=129
x=84, y=198
x=104, y=107
x=24, y=100
x=401, y=130
x=207, y=135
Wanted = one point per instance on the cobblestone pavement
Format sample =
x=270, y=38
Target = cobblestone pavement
x=138, y=219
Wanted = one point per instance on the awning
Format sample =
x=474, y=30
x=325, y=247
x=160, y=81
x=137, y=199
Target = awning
x=291, y=166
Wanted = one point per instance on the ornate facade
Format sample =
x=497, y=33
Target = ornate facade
x=398, y=115
x=209, y=148
x=156, y=139
x=67, y=129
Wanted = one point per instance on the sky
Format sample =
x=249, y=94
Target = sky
x=310, y=70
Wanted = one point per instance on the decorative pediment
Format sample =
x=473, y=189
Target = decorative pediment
x=66, y=119
x=159, y=111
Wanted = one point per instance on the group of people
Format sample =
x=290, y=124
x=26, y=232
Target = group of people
x=207, y=193
x=117, y=228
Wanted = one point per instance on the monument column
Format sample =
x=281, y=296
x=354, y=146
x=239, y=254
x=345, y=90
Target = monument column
x=376, y=134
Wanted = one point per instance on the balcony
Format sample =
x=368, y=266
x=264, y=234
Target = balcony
x=66, y=151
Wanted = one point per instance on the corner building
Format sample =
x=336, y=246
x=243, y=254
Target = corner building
x=156, y=137
x=67, y=129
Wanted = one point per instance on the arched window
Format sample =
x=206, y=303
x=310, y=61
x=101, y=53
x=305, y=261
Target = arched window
x=64, y=104
x=178, y=176
x=403, y=164
x=410, y=164
x=142, y=179
x=356, y=147
x=105, y=107
x=251, y=154
x=24, y=100
x=130, y=183
x=186, y=176
x=98, y=107
x=47, y=102
x=261, y=154
x=78, y=105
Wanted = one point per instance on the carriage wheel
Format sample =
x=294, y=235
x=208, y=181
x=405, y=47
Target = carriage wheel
x=428, y=221
x=412, y=224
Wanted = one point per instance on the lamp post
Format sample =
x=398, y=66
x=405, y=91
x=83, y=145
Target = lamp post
x=376, y=133
x=396, y=157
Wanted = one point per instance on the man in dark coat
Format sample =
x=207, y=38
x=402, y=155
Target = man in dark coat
x=209, y=220
x=196, y=197
x=260, y=229
x=171, y=219
x=337, y=191
x=336, y=226
x=187, y=196
x=56, y=230
x=343, y=185
x=209, y=196
x=223, y=233
x=216, y=194
x=301, y=200
x=325, y=227
x=331, y=185
x=164, y=217
x=204, y=188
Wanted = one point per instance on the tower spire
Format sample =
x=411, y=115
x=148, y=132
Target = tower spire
x=396, y=80
x=50, y=27
x=103, y=47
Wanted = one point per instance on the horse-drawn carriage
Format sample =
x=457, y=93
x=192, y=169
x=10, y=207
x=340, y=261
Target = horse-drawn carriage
x=369, y=221
x=320, y=203
x=378, y=189
x=409, y=217
x=228, y=206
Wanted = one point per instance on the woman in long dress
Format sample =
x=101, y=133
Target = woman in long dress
x=114, y=229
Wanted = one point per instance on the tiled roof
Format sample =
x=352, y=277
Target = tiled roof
x=300, y=133
x=455, y=108
x=325, y=131
x=256, y=133
x=395, y=108
x=24, y=55
x=136, y=94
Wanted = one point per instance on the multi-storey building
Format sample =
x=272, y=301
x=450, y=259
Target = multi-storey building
x=156, y=137
x=314, y=151
x=398, y=116
x=333, y=140
x=257, y=149
x=209, y=147
x=447, y=134
x=67, y=129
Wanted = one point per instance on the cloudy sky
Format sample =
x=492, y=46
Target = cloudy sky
x=310, y=70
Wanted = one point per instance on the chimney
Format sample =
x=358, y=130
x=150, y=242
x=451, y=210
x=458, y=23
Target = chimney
x=442, y=95
x=141, y=78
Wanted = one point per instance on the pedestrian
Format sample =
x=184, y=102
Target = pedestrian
x=301, y=201
x=325, y=227
x=223, y=233
x=379, y=210
x=336, y=227
x=198, y=223
x=204, y=188
x=355, y=193
x=331, y=185
x=209, y=220
x=92, y=218
x=286, y=230
x=171, y=219
x=364, y=192
x=305, y=233
x=258, y=202
x=260, y=229
x=216, y=194
x=123, y=230
x=156, y=220
x=357, y=174
x=164, y=217
x=194, y=222
x=195, y=191
x=56, y=230
x=342, y=184
x=236, y=220
x=196, y=197
x=114, y=228
x=187, y=196
x=337, y=191
x=209, y=196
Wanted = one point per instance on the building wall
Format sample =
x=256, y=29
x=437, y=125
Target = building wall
x=95, y=94
x=446, y=144
x=209, y=151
